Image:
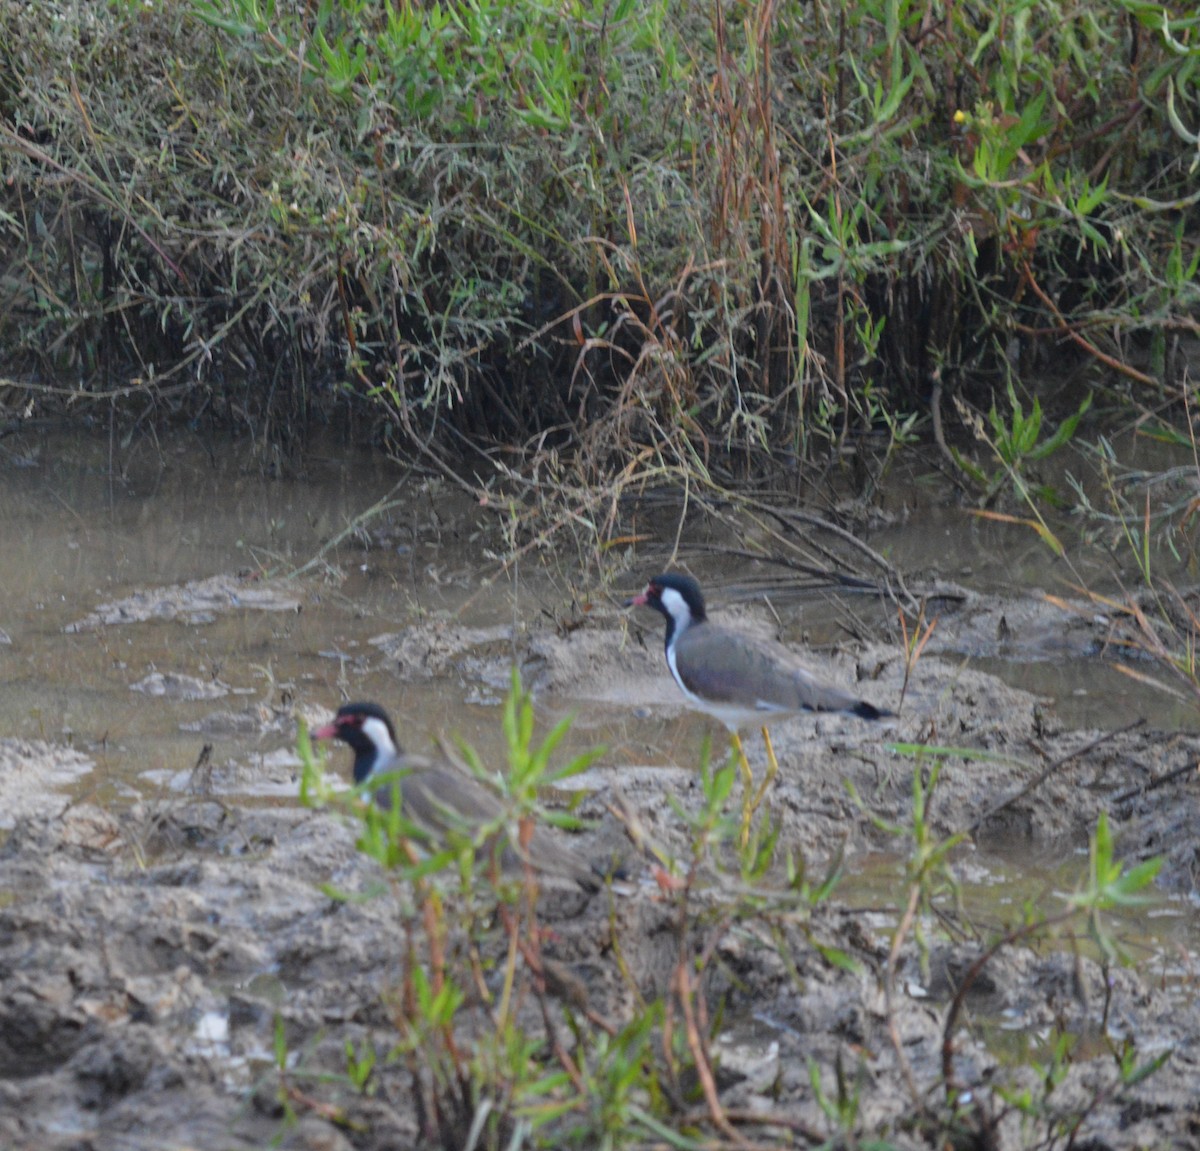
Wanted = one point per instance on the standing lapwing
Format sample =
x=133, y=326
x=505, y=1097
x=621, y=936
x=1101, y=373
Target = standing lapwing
x=735, y=678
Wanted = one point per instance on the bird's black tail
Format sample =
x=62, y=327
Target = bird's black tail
x=865, y=710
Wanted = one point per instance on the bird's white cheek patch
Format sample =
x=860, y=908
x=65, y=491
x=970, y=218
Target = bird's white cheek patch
x=675, y=604
x=376, y=731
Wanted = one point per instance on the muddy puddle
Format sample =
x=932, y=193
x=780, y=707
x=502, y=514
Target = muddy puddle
x=162, y=917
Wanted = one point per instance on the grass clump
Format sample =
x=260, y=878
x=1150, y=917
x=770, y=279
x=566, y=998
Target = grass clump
x=496, y=1044
x=595, y=228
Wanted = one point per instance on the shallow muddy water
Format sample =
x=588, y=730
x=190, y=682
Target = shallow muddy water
x=76, y=536
x=143, y=690
x=83, y=527
x=150, y=610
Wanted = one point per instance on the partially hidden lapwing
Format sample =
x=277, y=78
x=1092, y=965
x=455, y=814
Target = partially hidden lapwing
x=440, y=796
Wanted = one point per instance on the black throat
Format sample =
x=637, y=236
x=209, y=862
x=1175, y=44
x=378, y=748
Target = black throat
x=367, y=756
x=364, y=764
x=672, y=629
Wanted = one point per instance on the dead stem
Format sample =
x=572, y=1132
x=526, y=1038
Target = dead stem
x=889, y=985
x=1045, y=774
x=684, y=992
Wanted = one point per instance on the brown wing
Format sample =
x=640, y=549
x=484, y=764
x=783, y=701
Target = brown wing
x=441, y=797
x=731, y=668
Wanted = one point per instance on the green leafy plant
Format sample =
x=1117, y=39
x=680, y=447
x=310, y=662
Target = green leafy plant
x=501, y=223
x=504, y=1083
x=1110, y=886
x=1018, y=441
x=360, y=1064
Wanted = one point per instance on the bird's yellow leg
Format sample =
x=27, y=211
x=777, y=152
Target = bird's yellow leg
x=772, y=768
x=753, y=800
x=743, y=762
x=748, y=788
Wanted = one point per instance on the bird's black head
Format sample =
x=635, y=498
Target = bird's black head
x=677, y=596
x=368, y=729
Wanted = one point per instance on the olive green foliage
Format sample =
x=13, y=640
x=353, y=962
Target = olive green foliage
x=512, y=1083
x=482, y=1069
x=734, y=225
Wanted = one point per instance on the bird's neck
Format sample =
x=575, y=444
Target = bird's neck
x=374, y=751
x=675, y=629
x=367, y=761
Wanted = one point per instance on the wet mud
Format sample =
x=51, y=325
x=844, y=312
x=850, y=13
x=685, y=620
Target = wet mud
x=159, y=961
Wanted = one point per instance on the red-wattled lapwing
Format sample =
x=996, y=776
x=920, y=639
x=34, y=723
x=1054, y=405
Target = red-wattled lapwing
x=440, y=796
x=735, y=678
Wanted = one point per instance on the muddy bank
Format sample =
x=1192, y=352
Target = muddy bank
x=1014, y=774
x=141, y=1002
x=158, y=962
x=34, y=777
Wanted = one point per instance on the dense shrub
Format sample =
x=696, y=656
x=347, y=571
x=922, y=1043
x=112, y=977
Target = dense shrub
x=592, y=223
